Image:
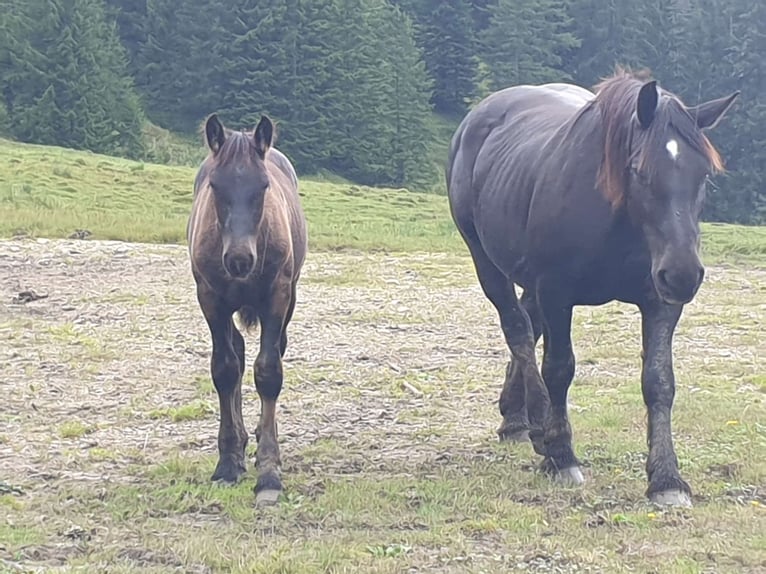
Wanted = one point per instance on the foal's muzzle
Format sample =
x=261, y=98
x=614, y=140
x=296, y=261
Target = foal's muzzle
x=239, y=264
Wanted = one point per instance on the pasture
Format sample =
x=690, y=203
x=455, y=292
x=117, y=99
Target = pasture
x=389, y=410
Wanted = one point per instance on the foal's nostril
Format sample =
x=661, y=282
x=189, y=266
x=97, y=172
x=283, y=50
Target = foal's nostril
x=239, y=265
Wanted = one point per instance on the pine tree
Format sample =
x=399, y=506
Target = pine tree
x=407, y=110
x=525, y=41
x=179, y=65
x=67, y=82
x=607, y=36
x=448, y=39
x=131, y=19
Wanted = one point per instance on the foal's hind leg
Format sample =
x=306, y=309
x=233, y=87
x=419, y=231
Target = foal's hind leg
x=226, y=368
x=513, y=405
x=268, y=381
x=520, y=338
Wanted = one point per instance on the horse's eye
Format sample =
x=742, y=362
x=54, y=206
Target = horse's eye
x=639, y=176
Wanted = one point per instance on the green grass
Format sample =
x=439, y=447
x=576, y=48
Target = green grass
x=72, y=429
x=189, y=412
x=51, y=192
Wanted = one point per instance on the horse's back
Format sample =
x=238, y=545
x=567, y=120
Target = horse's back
x=495, y=158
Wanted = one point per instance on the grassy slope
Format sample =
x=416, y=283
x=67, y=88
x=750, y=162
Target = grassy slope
x=50, y=192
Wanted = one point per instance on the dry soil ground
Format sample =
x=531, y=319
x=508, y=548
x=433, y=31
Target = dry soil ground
x=387, y=419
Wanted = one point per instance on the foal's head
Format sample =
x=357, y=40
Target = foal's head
x=656, y=162
x=239, y=182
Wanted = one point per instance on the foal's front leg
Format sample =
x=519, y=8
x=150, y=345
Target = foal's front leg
x=268, y=382
x=658, y=322
x=226, y=368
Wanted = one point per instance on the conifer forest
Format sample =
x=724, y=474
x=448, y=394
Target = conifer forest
x=367, y=90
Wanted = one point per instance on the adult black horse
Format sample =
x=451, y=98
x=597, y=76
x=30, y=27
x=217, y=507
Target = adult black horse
x=582, y=199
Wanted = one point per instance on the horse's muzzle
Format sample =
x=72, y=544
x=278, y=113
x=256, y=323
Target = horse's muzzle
x=678, y=286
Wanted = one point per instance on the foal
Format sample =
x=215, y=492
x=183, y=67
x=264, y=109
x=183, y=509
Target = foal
x=247, y=243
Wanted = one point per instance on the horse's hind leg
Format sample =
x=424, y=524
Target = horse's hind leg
x=268, y=382
x=226, y=368
x=524, y=400
x=513, y=407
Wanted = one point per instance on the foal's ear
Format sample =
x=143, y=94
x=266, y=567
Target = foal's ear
x=264, y=132
x=646, y=106
x=708, y=115
x=215, y=134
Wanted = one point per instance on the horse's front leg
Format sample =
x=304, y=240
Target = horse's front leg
x=658, y=322
x=558, y=370
x=226, y=368
x=268, y=382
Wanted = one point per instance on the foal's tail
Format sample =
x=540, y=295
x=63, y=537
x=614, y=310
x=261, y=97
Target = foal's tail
x=248, y=318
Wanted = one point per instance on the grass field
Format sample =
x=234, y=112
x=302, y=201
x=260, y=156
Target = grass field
x=51, y=192
x=387, y=419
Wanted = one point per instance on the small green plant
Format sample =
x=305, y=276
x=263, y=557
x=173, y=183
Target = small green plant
x=190, y=412
x=73, y=429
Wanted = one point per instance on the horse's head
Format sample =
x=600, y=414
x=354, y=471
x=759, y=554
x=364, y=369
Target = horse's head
x=656, y=163
x=669, y=164
x=239, y=182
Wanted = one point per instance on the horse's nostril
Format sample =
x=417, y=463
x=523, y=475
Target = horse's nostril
x=662, y=277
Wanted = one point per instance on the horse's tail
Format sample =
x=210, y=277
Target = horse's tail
x=248, y=318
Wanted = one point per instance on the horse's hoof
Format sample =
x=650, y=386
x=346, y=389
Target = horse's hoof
x=228, y=473
x=267, y=497
x=571, y=476
x=520, y=437
x=267, y=489
x=672, y=497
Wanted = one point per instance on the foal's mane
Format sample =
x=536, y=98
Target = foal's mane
x=239, y=145
x=616, y=98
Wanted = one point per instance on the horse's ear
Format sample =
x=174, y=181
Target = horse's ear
x=264, y=132
x=646, y=106
x=708, y=115
x=215, y=134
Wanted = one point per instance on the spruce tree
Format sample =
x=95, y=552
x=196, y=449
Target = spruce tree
x=67, y=82
x=525, y=42
x=406, y=110
x=449, y=42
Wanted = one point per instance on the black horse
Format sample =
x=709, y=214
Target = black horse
x=581, y=199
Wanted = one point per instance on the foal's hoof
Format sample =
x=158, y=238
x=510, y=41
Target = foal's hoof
x=267, y=490
x=571, y=476
x=672, y=497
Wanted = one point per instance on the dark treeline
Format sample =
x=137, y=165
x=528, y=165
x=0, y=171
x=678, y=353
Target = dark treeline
x=365, y=88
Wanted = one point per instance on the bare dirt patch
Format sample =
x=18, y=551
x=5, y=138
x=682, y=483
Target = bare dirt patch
x=392, y=375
